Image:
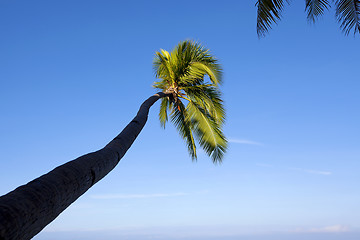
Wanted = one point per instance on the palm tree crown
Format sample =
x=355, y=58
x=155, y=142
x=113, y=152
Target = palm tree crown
x=190, y=76
x=347, y=13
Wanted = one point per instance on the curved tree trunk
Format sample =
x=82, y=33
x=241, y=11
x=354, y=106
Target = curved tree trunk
x=25, y=211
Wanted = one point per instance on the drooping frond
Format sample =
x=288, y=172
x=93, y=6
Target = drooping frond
x=268, y=12
x=183, y=125
x=348, y=15
x=315, y=8
x=164, y=106
x=209, y=98
x=207, y=131
x=212, y=70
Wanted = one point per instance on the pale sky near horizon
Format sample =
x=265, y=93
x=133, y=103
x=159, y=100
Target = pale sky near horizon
x=73, y=74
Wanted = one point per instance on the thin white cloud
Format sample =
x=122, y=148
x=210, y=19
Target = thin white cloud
x=244, y=141
x=313, y=171
x=318, y=172
x=132, y=196
x=328, y=229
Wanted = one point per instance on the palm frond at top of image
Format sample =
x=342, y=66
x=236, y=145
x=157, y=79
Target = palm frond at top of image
x=268, y=12
x=315, y=8
x=191, y=77
x=347, y=13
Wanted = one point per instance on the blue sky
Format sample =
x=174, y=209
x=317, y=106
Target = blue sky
x=73, y=74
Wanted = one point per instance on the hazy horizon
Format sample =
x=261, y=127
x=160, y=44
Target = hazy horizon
x=175, y=234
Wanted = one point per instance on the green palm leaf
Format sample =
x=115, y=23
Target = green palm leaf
x=182, y=123
x=164, y=106
x=348, y=15
x=207, y=131
x=315, y=8
x=209, y=98
x=199, y=68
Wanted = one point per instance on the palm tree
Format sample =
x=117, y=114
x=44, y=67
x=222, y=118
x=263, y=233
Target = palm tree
x=347, y=13
x=25, y=211
x=182, y=72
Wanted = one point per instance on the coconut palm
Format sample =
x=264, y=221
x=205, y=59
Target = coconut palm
x=347, y=13
x=25, y=211
x=192, y=76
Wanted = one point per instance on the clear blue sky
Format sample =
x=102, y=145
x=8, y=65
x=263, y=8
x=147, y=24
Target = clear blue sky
x=73, y=74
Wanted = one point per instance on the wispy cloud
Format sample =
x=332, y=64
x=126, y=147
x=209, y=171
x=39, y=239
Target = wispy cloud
x=313, y=171
x=328, y=229
x=244, y=141
x=318, y=172
x=132, y=196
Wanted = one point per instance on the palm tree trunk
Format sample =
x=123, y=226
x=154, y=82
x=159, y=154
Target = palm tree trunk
x=25, y=211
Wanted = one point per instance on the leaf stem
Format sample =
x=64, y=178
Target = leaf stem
x=184, y=98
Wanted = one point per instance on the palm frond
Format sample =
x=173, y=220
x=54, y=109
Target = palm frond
x=194, y=60
x=161, y=65
x=182, y=123
x=161, y=85
x=209, y=98
x=207, y=131
x=268, y=12
x=164, y=106
x=182, y=55
x=197, y=74
x=348, y=15
x=212, y=70
x=204, y=61
x=315, y=8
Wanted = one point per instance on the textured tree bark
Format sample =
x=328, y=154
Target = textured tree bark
x=25, y=211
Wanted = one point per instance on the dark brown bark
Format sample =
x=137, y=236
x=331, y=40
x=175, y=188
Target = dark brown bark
x=25, y=211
